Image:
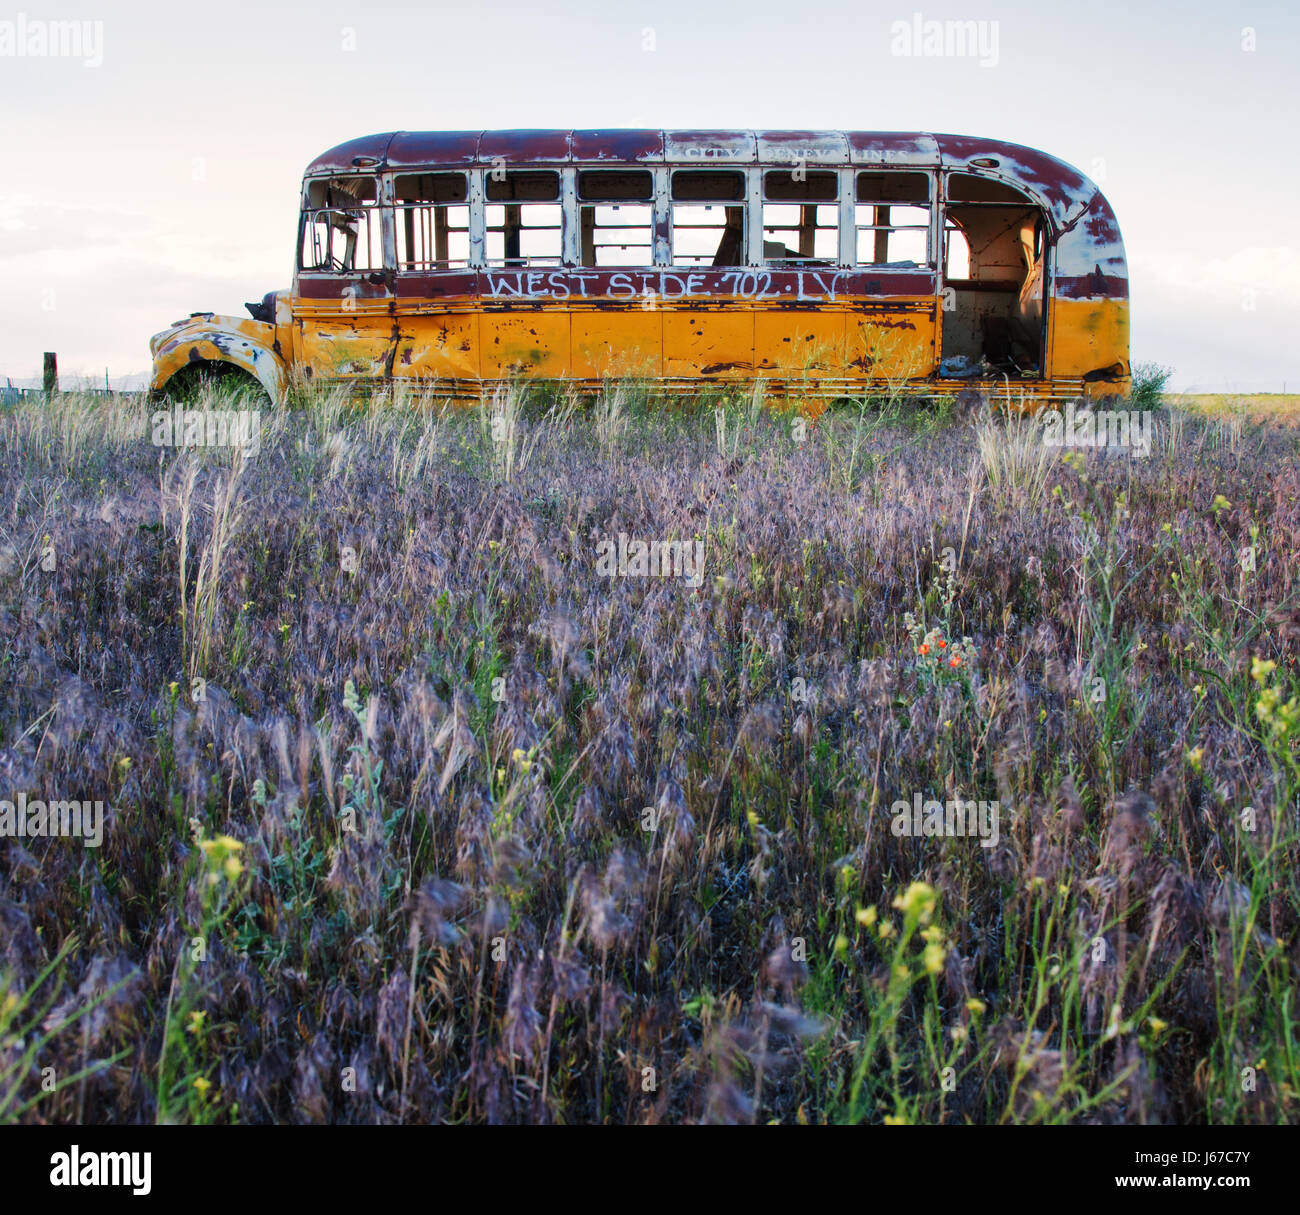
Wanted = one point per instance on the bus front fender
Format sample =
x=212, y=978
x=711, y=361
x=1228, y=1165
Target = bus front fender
x=247, y=345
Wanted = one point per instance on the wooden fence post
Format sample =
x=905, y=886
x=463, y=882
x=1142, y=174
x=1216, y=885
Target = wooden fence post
x=51, y=380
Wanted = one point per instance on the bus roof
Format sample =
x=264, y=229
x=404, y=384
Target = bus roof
x=1062, y=188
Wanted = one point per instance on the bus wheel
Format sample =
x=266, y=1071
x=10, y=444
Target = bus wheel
x=217, y=384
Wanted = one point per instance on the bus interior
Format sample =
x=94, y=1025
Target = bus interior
x=993, y=251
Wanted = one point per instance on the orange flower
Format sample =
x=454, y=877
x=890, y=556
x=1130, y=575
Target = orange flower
x=923, y=649
x=954, y=661
x=942, y=643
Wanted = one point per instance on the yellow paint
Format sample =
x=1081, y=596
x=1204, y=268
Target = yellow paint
x=532, y=342
x=836, y=349
x=616, y=343
x=247, y=344
x=896, y=340
x=798, y=344
x=1084, y=335
x=343, y=339
x=437, y=345
x=715, y=341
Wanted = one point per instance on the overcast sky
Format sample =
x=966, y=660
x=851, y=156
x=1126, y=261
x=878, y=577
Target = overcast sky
x=157, y=173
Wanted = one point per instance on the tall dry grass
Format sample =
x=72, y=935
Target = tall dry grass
x=470, y=831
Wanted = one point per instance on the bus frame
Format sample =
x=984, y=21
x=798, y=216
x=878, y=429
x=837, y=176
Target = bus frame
x=1041, y=315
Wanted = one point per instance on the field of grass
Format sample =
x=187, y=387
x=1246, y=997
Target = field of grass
x=1259, y=407
x=416, y=814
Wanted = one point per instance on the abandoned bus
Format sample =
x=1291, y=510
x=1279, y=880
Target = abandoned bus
x=826, y=263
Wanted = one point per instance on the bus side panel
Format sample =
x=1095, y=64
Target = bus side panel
x=1089, y=338
x=715, y=341
x=792, y=344
x=344, y=340
x=528, y=342
x=617, y=342
x=438, y=346
x=894, y=340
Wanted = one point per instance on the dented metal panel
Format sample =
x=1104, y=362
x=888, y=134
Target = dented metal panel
x=356, y=342
x=252, y=346
x=1090, y=259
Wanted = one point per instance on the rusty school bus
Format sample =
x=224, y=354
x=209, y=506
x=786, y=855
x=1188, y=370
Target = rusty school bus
x=826, y=261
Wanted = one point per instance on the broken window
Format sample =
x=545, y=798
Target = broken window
x=616, y=217
x=432, y=213
x=341, y=231
x=998, y=229
x=892, y=219
x=708, y=218
x=801, y=221
x=524, y=218
x=966, y=187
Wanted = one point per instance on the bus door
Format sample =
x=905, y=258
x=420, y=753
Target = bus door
x=994, y=255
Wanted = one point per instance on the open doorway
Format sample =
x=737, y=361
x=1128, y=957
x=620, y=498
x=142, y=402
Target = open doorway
x=993, y=255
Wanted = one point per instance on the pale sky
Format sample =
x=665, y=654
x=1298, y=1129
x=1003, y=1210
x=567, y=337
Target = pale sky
x=157, y=174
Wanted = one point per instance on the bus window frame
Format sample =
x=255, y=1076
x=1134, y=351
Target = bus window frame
x=382, y=207
x=849, y=225
x=581, y=201
x=1048, y=234
x=766, y=200
x=753, y=197
x=399, y=208
x=749, y=202
x=564, y=199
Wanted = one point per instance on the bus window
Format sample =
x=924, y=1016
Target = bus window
x=341, y=232
x=432, y=212
x=524, y=218
x=800, y=217
x=966, y=187
x=615, y=217
x=957, y=253
x=707, y=231
x=892, y=219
